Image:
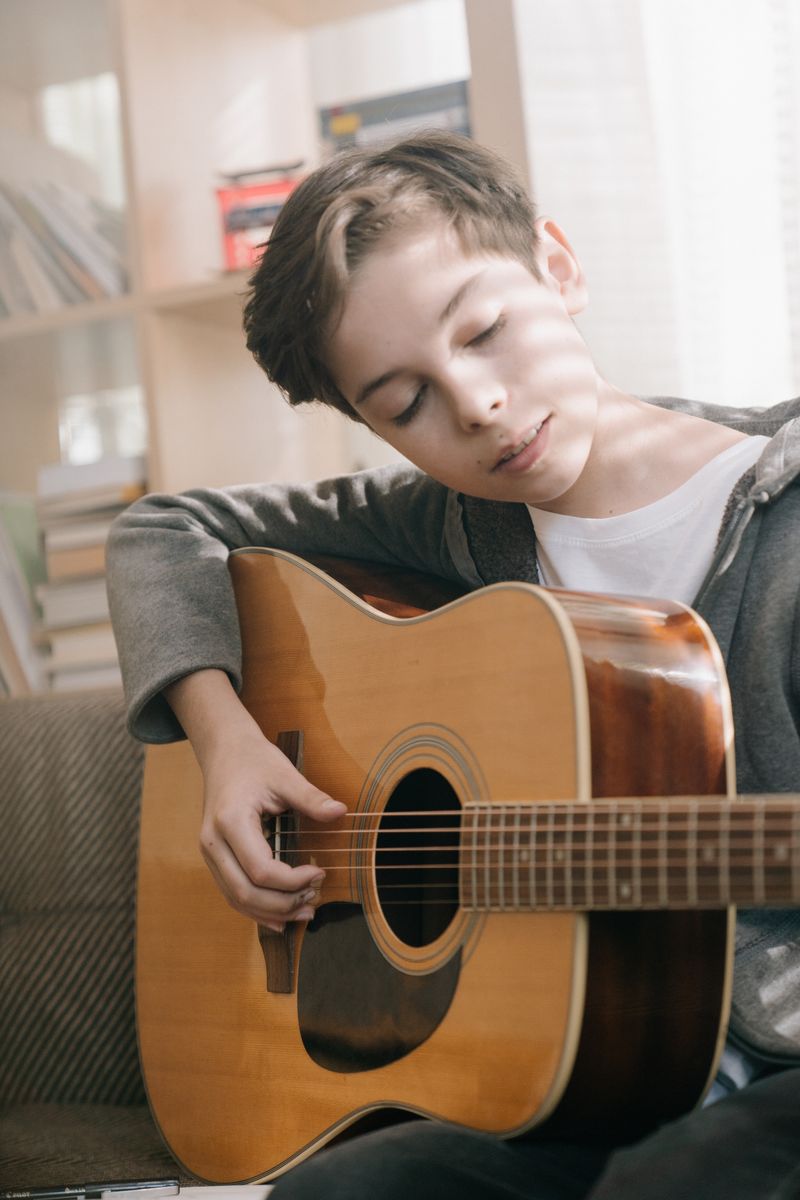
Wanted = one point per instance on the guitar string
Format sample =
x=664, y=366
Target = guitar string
x=561, y=836
x=676, y=865
x=544, y=831
x=649, y=812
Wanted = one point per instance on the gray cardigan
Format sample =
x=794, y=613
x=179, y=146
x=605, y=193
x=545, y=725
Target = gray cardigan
x=173, y=611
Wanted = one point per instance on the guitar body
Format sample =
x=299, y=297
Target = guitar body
x=507, y=1021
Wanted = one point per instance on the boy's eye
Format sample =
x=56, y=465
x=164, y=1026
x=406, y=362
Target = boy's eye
x=408, y=414
x=487, y=334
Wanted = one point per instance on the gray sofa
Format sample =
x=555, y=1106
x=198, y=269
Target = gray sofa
x=72, y=1099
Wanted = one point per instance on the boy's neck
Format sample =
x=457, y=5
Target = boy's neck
x=640, y=454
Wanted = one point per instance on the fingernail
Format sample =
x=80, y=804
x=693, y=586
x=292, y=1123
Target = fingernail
x=308, y=897
x=332, y=806
x=306, y=914
x=317, y=881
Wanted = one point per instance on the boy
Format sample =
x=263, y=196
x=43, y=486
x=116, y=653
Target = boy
x=414, y=289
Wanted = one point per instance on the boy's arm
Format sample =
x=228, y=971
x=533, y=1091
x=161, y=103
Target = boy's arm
x=246, y=778
x=169, y=588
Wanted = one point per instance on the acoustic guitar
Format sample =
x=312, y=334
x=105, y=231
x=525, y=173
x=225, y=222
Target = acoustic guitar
x=525, y=924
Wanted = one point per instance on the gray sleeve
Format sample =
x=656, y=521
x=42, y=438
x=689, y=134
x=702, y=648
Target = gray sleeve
x=169, y=589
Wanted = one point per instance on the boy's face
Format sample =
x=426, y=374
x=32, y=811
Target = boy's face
x=470, y=366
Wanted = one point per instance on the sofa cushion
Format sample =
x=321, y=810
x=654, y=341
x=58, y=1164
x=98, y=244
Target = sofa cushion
x=71, y=781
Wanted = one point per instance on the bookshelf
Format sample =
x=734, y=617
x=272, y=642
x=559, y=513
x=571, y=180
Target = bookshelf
x=198, y=89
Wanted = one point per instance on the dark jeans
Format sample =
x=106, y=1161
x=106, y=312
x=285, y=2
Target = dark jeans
x=745, y=1147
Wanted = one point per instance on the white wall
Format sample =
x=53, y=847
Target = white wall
x=663, y=135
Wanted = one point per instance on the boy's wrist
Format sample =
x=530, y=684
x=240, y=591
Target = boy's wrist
x=209, y=711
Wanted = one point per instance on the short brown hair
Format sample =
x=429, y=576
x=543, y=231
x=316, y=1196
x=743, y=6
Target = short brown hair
x=337, y=215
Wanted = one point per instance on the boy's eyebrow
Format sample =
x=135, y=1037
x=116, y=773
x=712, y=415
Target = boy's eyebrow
x=452, y=304
x=459, y=296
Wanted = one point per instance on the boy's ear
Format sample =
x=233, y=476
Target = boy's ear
x=559, y=265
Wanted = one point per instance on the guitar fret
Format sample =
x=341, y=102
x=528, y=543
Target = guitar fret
x=487, y=860
x=662, y=854
x=691, y=858
x=476, y=832
x=492, y=854
x=534, y=837
x=725, y=818
x=515, y=855
x=612, y=856
x=778, y=857
x=637, y=856
x=549, y=864
x=759, y=890
x=568, y=860
x=577, y=856
x=746, y=853
x=624, y=889
x=589, y=869
x=501, y=864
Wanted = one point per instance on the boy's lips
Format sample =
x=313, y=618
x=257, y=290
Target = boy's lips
x=525, y=451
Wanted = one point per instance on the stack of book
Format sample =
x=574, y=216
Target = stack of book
x=57, y=247
x=77, y=505
x=20, y=566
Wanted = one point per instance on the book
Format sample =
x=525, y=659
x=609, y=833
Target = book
x=77, y=504
x=89, y=490
x=73, y=602
x=81, y=646
x=109, y=501
x=51, y=274
x=76, y=561
x=65, y=478
x=66, y=219
x=74, y=532
x=18, y=515
x=20, y=665
x=14, y=293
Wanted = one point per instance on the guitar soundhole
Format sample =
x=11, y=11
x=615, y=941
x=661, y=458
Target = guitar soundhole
x=417, y=857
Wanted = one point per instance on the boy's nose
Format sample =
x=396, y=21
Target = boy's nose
x=477, y=401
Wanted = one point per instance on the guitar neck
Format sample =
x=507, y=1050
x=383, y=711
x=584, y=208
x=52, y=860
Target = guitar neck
x=684, y=852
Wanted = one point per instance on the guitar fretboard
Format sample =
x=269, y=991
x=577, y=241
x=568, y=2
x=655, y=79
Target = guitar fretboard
x=706, y=852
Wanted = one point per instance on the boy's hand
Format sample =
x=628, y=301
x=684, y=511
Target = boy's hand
x=247, y=778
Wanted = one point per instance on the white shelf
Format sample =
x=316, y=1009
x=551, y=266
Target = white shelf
x=67, y=317
x=218, y=299
x=204, y=88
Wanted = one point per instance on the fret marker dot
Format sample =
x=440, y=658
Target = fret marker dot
x=709, y=854
x=782, y=852
x=625, y=891
x=524, y=856
x=626, y=820
x=559, y=856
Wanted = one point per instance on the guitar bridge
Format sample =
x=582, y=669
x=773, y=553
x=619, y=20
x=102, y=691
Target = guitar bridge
x=281, y=834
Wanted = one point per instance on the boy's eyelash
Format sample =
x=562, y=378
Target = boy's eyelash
x=409, y=413
x=487, y=334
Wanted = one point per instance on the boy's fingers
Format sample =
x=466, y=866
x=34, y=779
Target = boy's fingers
x=243, y=853
x=286, y=894
x=317, y=805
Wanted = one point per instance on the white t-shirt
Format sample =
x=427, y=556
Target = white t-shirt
x=661, y=550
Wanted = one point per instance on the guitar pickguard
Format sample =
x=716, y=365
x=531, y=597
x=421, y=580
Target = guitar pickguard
x=356, y=1011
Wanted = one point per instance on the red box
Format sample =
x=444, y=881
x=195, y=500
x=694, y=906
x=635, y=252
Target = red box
x=248, y=212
